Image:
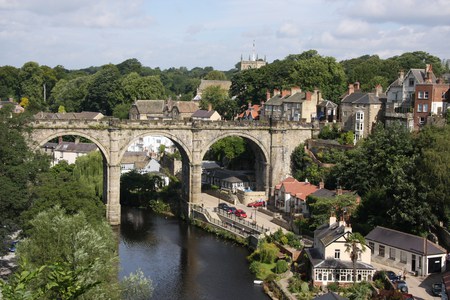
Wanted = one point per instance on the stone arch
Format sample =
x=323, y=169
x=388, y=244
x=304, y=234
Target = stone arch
x=256, y=141
x=262, y=157
x=42, y=140
x=178, y=142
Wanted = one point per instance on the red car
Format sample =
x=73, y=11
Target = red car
x=240, y=213
x=257, y=203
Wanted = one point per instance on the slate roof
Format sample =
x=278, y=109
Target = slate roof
x=210, y=165
x=228, y=175
x=275, y=100
x=296, y=98
x=184, y=106
x=316, y=259
x=138, y=158
x=420, y=75
x=150, y=106
x=327, y=104
x=203, y=114
x=328, y=233
x=75, y=147
x=362, y=98
x=330, y=296
x=404, y=241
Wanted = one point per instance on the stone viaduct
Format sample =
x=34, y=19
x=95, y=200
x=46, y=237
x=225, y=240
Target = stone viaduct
x=272, y=144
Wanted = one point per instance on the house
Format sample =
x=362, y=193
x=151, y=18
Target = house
x=327, y=111
x=292, y=105
x=251, y=113
x=290, y=195
x=84, y=115
x=152, y=145
x=17, y=109
x=328, y=261
x=206, y=115
x=230, y=180
x=401, y=94
x=322, y=192
x=430, y=98
x=360, y=111
x=68, y=151
x=180, y=110
x=133, y=161
x=147, y=110
x=406, y=251
x=223, y=84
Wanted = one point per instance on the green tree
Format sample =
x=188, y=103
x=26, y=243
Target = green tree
x=31, y=78
x=226, y=150
x=19, y=170
x=70, y=93
x=9, y=82
x=128, y=66
x=355, y=244
x=122, y=111
x=135, y=87
x=82, y=254
x=215, y=75
x=104, y=92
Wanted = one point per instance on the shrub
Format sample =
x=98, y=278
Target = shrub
x=281, y=266
x=334, y=287
x=268, y=252
x=284, y=240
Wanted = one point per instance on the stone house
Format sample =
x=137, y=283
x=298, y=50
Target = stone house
x=17, y=109
x=406, y=251
x=359, y=111
x=206, y=115
x=327, y=111
x=329, y=262
x=292, y=105
x=147, y=110
x=229, y=180
x=133, y=160
x=180, y=110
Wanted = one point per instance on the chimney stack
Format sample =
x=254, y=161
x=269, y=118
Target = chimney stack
x=295, y=89
x=285, y=93
x=351, y=89
x=209, y=107
x=276, y=92
x=378, y=90
x=357, y=86
x=267, y=95
x=401, y=76
x=308, y=95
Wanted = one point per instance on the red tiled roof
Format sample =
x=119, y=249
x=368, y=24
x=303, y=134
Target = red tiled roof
x=297, y=189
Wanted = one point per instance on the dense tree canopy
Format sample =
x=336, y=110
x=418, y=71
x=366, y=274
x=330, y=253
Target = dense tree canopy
x=20, y=168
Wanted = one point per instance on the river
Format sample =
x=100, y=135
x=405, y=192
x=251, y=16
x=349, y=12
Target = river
x=183, y=261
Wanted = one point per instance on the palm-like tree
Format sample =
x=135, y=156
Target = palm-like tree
x=355, y=244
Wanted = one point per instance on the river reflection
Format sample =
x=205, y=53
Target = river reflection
x=183, y=261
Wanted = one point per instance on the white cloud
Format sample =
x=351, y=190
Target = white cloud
x=288, y=30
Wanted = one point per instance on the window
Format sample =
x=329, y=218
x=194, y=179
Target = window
x=381, y=250
x=392, y=253
x=344, y=113
x=359, y=126
x=337, y=253
x=359, y=116
x=403, y=257
x=419, y=107
x=411, y=82
x=420, y=95
x=425, y=95
x=425, y=108
x=372, y=247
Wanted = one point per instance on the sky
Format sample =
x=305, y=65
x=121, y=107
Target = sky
x=198, y=33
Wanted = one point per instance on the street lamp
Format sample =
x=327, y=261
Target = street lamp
x=254, y=220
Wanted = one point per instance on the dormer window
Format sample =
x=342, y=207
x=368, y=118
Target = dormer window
x=411, y=82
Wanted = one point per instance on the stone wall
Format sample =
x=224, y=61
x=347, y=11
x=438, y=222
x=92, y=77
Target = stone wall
x=248, y=197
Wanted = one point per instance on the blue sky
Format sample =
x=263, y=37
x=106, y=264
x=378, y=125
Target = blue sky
x=200, y=33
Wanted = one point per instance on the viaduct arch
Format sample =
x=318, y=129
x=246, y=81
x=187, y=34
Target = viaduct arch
x=272, y=143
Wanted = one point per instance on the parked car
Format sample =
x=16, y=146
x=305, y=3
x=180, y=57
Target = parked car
x=259, y=203
x=231, y=210
x=240, y=213
x=408, y=297
x=436, y=289
x=224, y=206
x=392, y=276
x=401, y=286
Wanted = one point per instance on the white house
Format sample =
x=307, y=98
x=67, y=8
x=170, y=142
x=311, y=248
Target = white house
x=68, y=151
x=406, y=251
x=330, y=262
x=152, y=144
x=290, y=195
